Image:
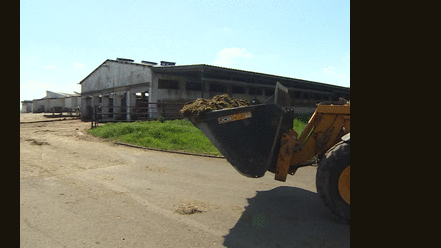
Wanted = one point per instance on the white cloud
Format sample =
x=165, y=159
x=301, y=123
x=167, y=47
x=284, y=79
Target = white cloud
x=331, y=71
x=347, y=60
x=50, y=67
x=225, y=30
x=36, y=86
x=225, y=56
x=35, y=90
x=78, y=65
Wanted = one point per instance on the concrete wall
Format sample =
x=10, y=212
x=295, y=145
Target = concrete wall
x=69, y=103
x=72, y=102
x=26, y=107
x=40, y=105
x=51, y=100
x=57, y=102
x=47, y=104
x=109, y=82
x=115, y=75
x=171, y=94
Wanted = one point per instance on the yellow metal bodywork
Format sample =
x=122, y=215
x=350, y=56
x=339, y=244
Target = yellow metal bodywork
x=325, y=128
x=287, y=144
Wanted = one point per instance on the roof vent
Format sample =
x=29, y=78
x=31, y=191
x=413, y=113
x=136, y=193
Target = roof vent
x=166, y=63
x=125, y=60
x=148, y=62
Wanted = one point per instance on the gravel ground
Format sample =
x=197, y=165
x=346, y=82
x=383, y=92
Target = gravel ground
x=79, y=191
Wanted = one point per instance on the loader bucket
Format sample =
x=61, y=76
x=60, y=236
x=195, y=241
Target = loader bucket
x=248, y=137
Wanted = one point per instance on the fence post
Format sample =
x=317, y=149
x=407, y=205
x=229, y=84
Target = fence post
x=93, y=112
x=95, y=116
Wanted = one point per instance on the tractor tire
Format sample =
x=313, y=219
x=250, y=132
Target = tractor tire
x=333, y=181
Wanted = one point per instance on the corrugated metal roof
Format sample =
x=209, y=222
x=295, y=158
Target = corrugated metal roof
x=204, y=67
x=66, y=94
x=207, y=68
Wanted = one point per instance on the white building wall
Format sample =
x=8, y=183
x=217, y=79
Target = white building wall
x=115, y=74
x=180, y=94
x=40, y=104
x=24, y=107
x=115, y=78
x=69, y=102
x=57, y=102
x=72, y=102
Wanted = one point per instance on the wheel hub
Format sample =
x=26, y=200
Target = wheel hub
x=344, y=185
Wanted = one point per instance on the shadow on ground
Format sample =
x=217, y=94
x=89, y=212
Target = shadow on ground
x=287, y=217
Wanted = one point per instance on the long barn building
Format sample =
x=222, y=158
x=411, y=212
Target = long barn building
x=122, y=89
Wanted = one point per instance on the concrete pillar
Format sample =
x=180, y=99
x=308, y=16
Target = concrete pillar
x=83, y=107
x=128, y=107
x=130, y=104
x=105, y=106
x=95, y=102
x=153, y=112
x=116, y=105
x=133, y=103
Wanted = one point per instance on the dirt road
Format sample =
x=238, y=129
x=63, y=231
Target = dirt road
x=78, y=191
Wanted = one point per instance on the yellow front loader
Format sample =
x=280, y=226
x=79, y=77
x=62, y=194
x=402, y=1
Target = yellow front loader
x=260, y=138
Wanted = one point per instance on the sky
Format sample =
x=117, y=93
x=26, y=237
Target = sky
x=61, y=42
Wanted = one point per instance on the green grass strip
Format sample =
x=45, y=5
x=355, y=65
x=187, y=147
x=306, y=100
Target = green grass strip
x=172, y=135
